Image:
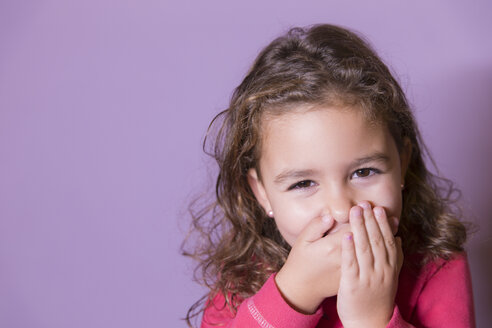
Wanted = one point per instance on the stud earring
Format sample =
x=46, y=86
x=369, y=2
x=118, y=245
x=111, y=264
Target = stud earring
x=270, y=213
x=402, y=186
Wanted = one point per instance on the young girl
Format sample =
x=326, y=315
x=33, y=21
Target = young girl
x=325, y=213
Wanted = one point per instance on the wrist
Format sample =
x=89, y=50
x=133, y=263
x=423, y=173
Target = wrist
x=296, y=295
x=367, y=323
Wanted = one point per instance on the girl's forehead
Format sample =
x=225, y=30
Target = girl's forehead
x=325, y=134
x=354, y=119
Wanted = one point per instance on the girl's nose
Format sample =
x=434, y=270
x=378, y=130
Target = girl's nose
x=338, y=203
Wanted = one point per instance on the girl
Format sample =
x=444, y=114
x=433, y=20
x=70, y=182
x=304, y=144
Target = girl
x=322, y=188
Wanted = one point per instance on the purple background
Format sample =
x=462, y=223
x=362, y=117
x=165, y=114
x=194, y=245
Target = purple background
x=103, y=107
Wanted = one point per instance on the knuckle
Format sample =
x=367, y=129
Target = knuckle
x=391, y=242
x=350, y=263
x=377, y=241
x=365, y=248
x=329, y=250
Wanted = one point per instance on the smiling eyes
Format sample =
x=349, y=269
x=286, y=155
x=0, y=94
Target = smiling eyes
x=365, y=172
x=358, y=174
x=302, y=184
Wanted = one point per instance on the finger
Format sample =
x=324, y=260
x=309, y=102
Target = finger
x=349, y=266
x=394, y=223
x=387, y=233
x=375, y=236
x=362, y=247
x=316, y=228
x=400, y=255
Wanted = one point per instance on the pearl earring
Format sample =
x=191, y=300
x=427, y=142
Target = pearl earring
x=402, y=186
x=270, y=213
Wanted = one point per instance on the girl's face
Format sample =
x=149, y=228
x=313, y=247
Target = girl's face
x=324, y=161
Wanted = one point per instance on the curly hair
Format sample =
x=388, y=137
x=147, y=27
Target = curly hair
x=235, y=243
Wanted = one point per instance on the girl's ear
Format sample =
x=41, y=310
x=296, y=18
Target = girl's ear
x=405, y=155
x=259, y=190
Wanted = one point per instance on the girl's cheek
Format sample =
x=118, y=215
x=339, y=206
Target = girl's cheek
x=387, y=196
x=299, y=206
x=292, y=219
x=312, y=205
x=304, y=214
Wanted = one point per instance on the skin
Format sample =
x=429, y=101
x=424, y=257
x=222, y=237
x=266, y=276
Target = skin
x=333, y=182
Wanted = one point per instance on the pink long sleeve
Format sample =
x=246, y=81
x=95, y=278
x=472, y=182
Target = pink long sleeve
x=437, y=295
x=265, y=309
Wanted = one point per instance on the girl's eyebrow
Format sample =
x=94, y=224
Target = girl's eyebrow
x=296, y=174
x=293, y=174
x=376, y=157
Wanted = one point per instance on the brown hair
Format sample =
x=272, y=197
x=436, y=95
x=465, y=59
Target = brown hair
x=238, y=245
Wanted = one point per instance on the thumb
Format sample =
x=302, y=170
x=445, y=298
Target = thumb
x=316, y=228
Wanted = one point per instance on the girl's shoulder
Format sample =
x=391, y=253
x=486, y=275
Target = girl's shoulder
x=434, y=284
x=430, y=266
x=454, y=266
x=418, y=272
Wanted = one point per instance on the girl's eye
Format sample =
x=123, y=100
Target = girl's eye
x=302, y=184
x=365, y=172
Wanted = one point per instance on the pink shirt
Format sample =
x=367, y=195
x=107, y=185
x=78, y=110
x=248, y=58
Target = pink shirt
x=436, y=295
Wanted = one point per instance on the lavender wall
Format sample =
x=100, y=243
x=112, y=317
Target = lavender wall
x=103, y=106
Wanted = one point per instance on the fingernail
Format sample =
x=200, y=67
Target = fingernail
x=378, y=211
x=348, y=236
x=365, y=205
x=357, y=211
x=396, y=221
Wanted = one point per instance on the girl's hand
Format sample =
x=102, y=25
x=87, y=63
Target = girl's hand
x=312, y=271
x=371, y=261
